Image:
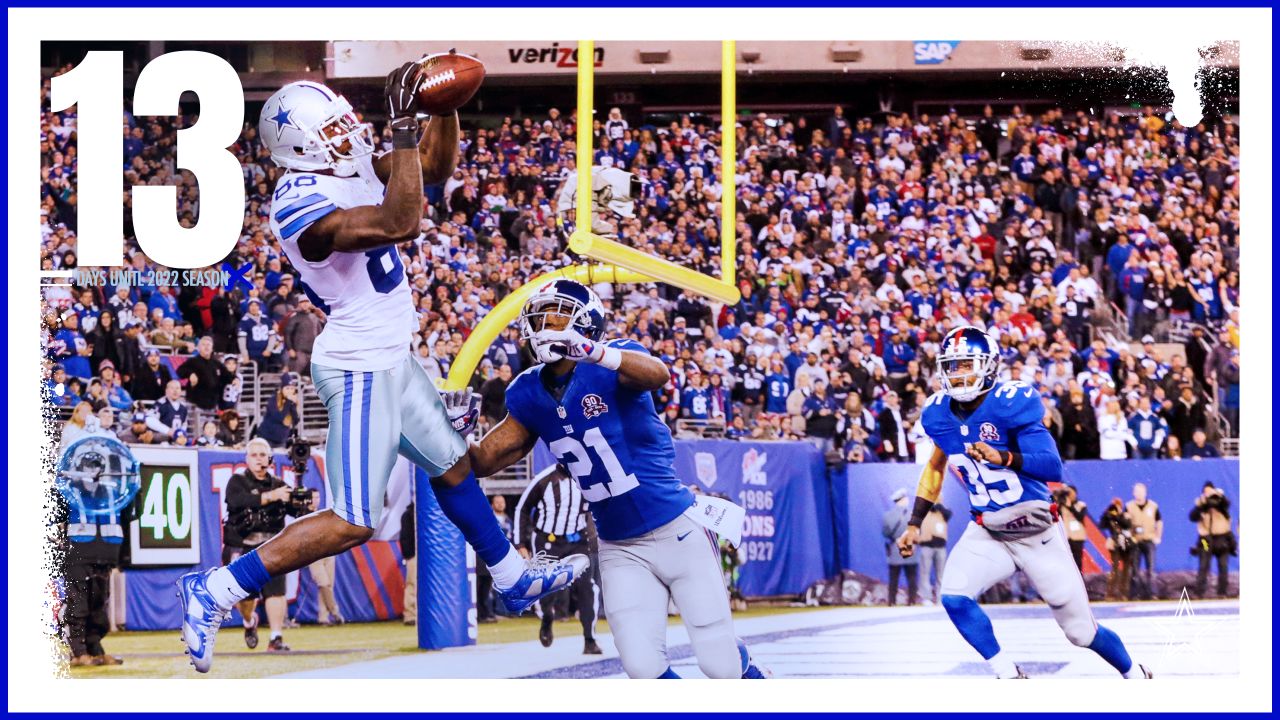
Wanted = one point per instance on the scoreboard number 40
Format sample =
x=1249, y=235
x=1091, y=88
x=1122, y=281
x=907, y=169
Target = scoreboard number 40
x=95, y=88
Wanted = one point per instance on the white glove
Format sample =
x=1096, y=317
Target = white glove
x=571, y=344
x=463, y=408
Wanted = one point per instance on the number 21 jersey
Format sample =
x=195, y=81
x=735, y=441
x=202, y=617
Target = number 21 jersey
x=611, y=440
x=1010, y=416
x=365, y=294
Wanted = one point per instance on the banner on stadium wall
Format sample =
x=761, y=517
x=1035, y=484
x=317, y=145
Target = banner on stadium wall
x=861, y=498
x=370, y=579
x=788, y=540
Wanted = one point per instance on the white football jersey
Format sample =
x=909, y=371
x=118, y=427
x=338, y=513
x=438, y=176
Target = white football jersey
x=365, y=295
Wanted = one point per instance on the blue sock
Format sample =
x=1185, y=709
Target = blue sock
x=669, y=674
x=1107, y=644
x=466, y=506
x=749, y=670
x=249, y=571
x=973, y=624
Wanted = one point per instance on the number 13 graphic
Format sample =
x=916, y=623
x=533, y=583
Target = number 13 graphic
x=96, y=88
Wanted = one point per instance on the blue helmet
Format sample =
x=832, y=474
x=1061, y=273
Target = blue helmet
x=968, y=362
x=564, y=297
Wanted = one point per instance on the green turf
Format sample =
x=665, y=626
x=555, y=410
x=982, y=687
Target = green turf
x=159, y=654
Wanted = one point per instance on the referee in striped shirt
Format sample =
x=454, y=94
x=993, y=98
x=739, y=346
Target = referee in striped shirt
x=552, y=517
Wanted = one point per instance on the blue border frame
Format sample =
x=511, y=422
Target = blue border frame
x=805, y=4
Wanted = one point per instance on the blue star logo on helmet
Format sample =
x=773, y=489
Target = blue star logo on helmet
x=282, y=119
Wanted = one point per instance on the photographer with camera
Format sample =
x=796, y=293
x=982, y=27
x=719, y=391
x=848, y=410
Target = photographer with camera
x=1212, y=515
x=1074, y=513
x=1116, y=523
x=257, y=505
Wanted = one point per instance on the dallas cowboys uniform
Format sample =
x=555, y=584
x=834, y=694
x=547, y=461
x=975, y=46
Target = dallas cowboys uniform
x=613, y=442
x=380, y=400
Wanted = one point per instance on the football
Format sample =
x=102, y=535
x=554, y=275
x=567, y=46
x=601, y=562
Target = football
x=449, y=80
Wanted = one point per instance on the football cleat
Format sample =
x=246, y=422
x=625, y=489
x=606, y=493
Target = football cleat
x=751, y=670
x=251, y=633
x=1021, y=675
x=201, y=618
x=1146, y=673
x=543, y=575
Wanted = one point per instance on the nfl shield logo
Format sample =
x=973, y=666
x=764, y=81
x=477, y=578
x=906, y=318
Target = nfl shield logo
x=562, y=412
x=988, y=432
x=705, y=465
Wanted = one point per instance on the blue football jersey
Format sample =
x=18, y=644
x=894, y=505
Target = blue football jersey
x=613, y=442
x=1010, y=416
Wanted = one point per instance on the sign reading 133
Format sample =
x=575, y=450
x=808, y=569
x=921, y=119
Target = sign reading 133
x=95, y=88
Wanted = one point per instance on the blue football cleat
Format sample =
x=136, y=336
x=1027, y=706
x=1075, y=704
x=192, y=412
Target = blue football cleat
x=201, y=618
x=750, y=670
x=542, y=576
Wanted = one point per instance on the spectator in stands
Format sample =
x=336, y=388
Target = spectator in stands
x=300, y=332
x=107, y=344
x=206, y=377
x=932, y=549
x=81, y=423
x=1212, y=516
x=493, y=395
x=117, y=397
x=138, y=433
x=209, y=435
x=167, y=335
x=69, y=347
x=1114, y=435
x=170, y=413
x=1199, y=447
x=280, y=418
x=1188, y=416
x=819, y=412
x=777, y=389
x=230, y=434
x=257, y=337
x=152, y=378
x=893, y=431
x=893, y=524
x=1148, y=530
x=1148, y=429
x=1080, y=428
x=232, y=391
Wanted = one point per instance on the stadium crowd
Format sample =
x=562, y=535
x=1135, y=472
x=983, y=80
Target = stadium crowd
x=860, y=243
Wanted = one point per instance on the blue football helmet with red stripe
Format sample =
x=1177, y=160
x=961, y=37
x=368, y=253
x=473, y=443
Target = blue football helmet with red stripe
x=559, y=305
x=968, y=363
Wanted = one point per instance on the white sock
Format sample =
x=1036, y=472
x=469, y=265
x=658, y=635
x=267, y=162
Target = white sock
x=1003, y=666
x=508, y=571
x=275, y=635
x=224, y=588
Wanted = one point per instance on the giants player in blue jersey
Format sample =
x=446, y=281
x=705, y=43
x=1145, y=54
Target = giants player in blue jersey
x=992, y=435
x=591, y=402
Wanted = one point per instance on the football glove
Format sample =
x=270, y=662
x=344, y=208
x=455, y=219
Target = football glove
x=571, y=344
x=402, y=95
x=463, y=409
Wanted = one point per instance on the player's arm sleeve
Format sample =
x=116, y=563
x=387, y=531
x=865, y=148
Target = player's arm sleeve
x=1036, y=454
x=930, y=486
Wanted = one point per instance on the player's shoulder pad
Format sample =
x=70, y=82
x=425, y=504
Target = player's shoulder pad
x=519, y=391
x=300, y=199
x=935, y=416
x=626, y=344
x=1019, y=402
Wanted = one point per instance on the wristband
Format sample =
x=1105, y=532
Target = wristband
x=404, y=139
x=611, y=358
x=922, y=508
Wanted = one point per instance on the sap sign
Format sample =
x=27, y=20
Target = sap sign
x=932, y=52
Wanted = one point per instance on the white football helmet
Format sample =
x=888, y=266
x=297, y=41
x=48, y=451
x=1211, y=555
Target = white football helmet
x=307, y=126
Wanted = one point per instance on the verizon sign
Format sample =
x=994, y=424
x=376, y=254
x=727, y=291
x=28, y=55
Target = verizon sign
x=553, y=55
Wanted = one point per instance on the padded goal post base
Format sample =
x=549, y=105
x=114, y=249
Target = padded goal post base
x=446, y=574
